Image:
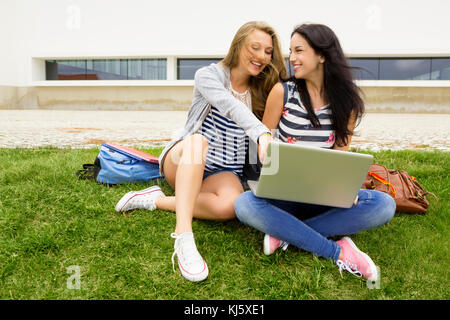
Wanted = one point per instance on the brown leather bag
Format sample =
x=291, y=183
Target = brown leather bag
x=409, y=196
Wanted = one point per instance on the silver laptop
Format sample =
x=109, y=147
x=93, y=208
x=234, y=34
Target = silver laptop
x=311, y=175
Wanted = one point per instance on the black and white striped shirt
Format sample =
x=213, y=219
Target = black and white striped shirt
x=227, y=143
x=294, y=125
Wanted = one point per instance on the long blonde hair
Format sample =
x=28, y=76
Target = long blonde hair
x=260, y=85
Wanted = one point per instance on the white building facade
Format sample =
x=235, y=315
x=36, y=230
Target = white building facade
x=142, y=54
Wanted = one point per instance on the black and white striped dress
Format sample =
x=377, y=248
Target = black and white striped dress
x=294, y=125
x=227, y=141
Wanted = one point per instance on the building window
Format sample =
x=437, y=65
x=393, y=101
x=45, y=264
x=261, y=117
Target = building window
x=289, y=68
x=186, y=68
x=440, y=69
x=384, y=68
x=65, y=70
x=147, y=69
x=365, y=69
x=106, y=69
x=405, y=69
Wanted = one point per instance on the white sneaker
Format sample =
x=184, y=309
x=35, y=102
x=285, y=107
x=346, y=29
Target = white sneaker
x=190, y=262
x=271, y=244
x=144, y=199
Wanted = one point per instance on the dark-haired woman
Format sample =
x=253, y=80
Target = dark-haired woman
x=319, y=107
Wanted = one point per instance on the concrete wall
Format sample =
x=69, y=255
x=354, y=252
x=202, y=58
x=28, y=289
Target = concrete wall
x=407, y=99
x=377, y=99
x=96, y=98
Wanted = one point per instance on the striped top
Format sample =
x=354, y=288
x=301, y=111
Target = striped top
x=227, y=141
x=294, y=125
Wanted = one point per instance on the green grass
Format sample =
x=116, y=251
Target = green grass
x=50, y=220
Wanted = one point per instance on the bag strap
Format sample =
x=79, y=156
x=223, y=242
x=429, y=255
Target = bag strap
x=435, y=197
x=427, y=192
x=383, y=181
x=87, y=172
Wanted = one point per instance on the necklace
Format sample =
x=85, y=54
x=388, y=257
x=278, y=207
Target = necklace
x=244, y=97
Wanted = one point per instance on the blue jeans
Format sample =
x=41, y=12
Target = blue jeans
x=308, y=226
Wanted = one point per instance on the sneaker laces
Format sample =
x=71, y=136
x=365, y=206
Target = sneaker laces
x=189, y=249
x=284, y=245
x=350, y=267
x=142, y=201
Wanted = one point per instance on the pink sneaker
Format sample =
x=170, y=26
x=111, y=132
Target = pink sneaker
x=271, y=244
x=355, y=261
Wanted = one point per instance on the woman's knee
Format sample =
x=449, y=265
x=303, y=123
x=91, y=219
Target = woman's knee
x=195, y=149
x=225, y=211
x=196, y=141
x=383, y=207
x=242, y=206
x=192, y=149
x=387, y=206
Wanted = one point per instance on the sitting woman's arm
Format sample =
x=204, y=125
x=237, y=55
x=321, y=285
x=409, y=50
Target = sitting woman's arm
x=274, y=107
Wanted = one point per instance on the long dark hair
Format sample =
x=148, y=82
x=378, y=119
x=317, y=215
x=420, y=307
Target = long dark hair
x=342, y=94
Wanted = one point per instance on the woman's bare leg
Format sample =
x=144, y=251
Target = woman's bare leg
x=183, y=169
x=210, y=199
x=215, y=200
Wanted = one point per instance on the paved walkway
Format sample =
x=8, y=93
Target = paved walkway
x=81, y=129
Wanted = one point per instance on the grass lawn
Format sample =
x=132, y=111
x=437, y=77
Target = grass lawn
x=50, y=221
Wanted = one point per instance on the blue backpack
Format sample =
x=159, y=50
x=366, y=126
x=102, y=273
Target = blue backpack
x=117, y=164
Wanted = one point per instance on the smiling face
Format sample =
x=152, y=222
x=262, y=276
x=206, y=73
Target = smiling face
x=256, y=52
x=305, y=61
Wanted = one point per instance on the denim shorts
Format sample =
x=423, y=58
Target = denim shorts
x=243, y=182
x=207, y=174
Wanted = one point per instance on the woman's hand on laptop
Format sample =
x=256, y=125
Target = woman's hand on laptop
x=263, y=144
x=356, y=200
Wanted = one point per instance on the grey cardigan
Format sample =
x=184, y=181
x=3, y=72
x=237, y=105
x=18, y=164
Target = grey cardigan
x=210, y=90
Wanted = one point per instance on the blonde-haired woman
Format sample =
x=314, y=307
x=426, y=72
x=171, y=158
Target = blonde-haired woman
x=204, y=163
